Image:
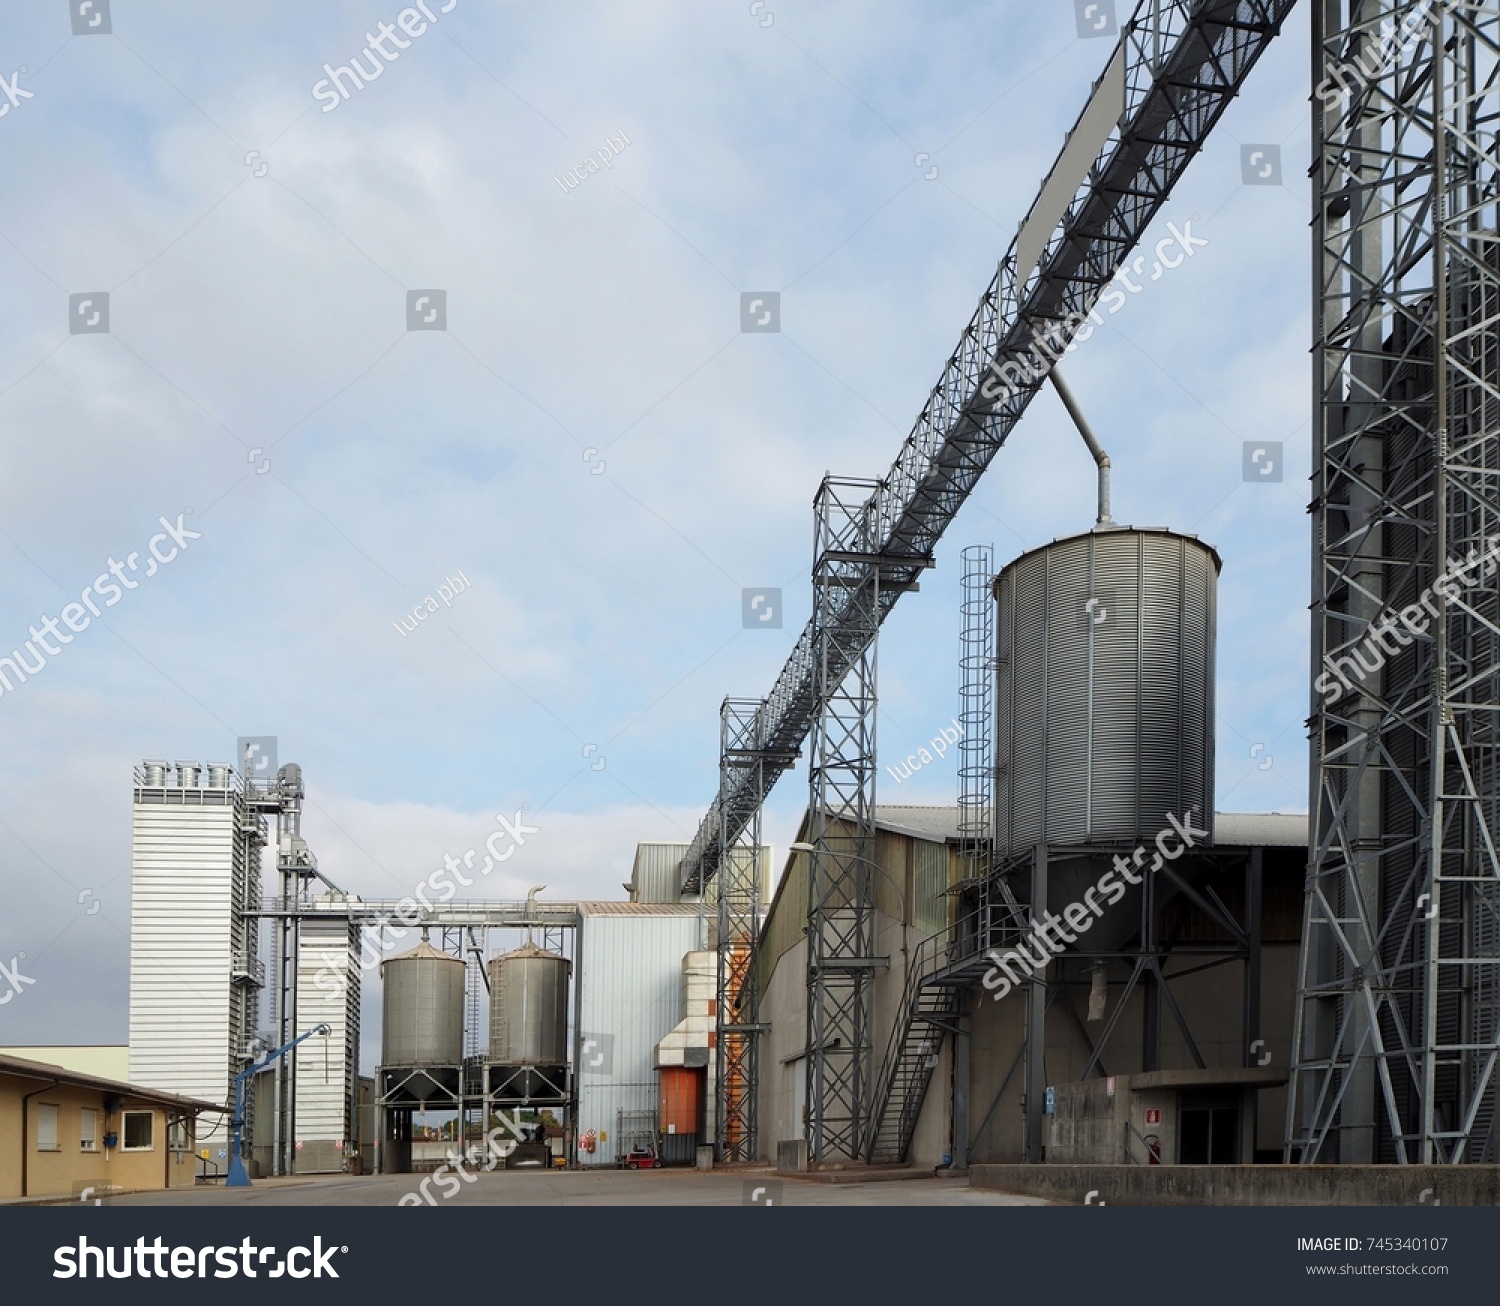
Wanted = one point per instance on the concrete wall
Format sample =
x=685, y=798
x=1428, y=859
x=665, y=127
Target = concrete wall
x=1248, y=1185
x=1210, y=1002
x=783, y=1007
x=1088, y=1124
x=65, y=1171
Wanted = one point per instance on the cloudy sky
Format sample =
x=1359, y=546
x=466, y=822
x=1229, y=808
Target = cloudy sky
x=592, y=441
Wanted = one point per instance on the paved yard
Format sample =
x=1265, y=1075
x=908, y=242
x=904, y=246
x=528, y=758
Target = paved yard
x=585, y=1188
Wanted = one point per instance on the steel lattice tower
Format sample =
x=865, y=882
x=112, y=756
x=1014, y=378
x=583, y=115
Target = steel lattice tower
x=840, y=908
x=738, y=887
x=1394, y=1053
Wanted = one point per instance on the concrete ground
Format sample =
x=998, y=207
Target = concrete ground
x=585, y=1188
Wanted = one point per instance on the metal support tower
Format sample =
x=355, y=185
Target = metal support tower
x=847, y=579
x=738, y=885
x=1395, y=1042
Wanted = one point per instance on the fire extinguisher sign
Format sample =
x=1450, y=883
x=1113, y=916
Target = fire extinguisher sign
x=1153, y=1115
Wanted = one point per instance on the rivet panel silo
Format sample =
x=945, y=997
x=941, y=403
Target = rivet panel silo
x=1105, y=688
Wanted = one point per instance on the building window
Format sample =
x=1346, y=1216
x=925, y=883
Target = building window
x=138, y=1130
x=180, y=1134
x=88, y=1130
x=46, y=1127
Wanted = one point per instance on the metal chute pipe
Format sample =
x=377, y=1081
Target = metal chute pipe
x=1087, y=432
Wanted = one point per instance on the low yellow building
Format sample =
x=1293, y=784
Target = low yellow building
x=63, y=1131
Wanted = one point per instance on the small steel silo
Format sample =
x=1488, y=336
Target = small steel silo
x=1105, y=688
x=529, y=1023
x=422, y=1009
x=529, y=1007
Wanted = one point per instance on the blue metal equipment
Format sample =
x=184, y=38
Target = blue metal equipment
x=238, y=1176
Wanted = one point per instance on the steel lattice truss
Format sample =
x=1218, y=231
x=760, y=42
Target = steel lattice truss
x=1394, y=1054
x=1179, y=64
x=739, y=887
x=847, y=581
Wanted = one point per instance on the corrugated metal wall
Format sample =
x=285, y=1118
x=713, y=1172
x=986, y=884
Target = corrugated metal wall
x=932, y=865
x=183, y=938
x=657, y=872
x=784, y=927
x=327, y=993
x=630, y=992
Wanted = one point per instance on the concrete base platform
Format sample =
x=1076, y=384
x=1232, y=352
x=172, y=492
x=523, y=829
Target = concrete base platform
x=1248, y=1185
x=872, y=1175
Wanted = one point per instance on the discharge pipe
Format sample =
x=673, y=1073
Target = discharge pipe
x=1085, y=430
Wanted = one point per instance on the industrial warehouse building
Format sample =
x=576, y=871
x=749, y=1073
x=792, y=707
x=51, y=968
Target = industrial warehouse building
x=973, y=1107
x=64, y=1131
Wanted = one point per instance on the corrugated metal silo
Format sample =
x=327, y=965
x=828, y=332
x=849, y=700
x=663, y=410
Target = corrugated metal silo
x=1105, y=688
x=529, y=1007
x=423, y=1009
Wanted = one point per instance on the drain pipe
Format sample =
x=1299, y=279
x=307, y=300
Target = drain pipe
x=26, y=1130
x=1081, y=422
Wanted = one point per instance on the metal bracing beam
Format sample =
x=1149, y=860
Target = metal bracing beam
x=1398, y=1014
x=1177, y=67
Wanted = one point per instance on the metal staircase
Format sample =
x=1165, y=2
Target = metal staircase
x=927, y=1016
x=943, y=966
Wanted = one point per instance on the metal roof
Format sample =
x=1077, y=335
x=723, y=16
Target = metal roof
x=638, y=909
x=45, y=1070
x=923, y=822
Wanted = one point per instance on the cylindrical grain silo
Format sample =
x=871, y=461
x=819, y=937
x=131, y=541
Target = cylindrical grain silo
x=1105, y=688
x=423, y=1009
x=529, y=1007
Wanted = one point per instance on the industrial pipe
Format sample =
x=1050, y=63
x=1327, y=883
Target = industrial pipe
x=1081, y=422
